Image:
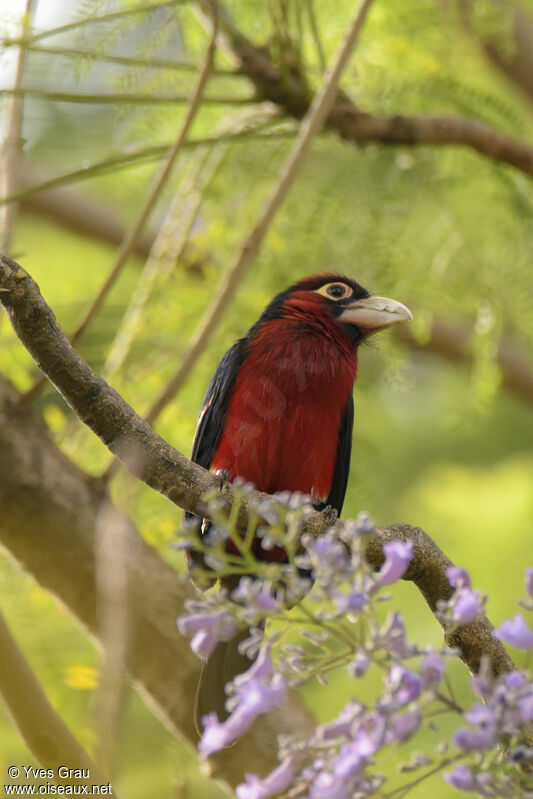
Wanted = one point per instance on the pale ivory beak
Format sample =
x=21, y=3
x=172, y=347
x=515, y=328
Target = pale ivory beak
x=375, y=313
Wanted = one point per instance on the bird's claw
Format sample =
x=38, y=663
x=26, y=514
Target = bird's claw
x=223, y=476
x=331, y=515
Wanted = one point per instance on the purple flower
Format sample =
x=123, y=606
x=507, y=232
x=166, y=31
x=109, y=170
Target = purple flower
x=207, y=630
x=398, y=555
x=432, y=669
x=371, y=735
x=529, y=582
x=515, y=632
x=326, y=555
x=457, y=577
x=466, y=605
x=217, y=735
x=403, y=725
x=342, y=725
x=261, y=668
x=349, y=762
x=484, y=737
x=481, y=715
x=256, y=597
x=360, y=664
x=326, y=784
x=276, y=782
x=462, y=779
x=256, y=691
x=473, y=740
x=515, y=679
x=353, y=756
x=353, y=601
x=255, y=696
x=404, y=685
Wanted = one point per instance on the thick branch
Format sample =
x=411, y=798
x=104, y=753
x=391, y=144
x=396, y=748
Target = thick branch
x=291, y=94
x=166, y=470
x=50, y=511
x=427, y=571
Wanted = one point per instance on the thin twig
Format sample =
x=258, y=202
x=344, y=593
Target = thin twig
x=12, y=144
x=131, y=61
x=143, y=155
x=119, y=99
x=128, y=243
x=310, y=127
x=402, y=790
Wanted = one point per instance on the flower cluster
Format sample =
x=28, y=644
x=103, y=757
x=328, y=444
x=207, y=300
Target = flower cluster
x=338, y=621
x=504, y=719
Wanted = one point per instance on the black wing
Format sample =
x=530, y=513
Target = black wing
x=215, y=405
x=213, y=413
x=342, y=464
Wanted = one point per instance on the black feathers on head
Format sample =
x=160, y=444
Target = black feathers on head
x=311, y=283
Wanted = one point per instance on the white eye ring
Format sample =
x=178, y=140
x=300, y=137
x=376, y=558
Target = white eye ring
x=335, y=291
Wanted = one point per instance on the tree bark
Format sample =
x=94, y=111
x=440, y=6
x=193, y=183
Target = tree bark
x=47, y=524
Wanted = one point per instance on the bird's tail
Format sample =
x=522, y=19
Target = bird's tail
x=224, y=663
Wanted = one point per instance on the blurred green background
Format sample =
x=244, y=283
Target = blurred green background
x=438, y=444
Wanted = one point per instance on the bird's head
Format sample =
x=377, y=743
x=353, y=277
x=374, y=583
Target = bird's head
x=331, y=297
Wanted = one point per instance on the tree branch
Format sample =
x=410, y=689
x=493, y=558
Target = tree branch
x=160, y=466
x=50, y=512
x=427, y=571
x=30, y=188
x=118, y=99
x=290, y=92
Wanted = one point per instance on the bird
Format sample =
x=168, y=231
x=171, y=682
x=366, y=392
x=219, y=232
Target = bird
x=279, y=412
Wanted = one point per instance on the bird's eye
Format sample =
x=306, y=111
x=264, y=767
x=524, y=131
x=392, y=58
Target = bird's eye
x=336, y=291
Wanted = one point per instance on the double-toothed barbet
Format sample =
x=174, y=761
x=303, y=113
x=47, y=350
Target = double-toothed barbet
x=279, y=413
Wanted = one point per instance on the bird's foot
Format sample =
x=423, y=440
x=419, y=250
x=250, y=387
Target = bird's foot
x=331, y=515
x=223, y=476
